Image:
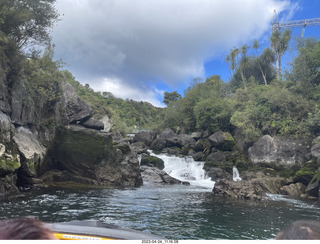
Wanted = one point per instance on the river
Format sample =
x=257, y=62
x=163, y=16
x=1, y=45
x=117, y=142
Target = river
x=173, y=211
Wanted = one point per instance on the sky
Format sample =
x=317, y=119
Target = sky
x=138, y=49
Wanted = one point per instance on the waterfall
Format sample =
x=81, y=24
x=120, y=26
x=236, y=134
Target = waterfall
x=236, y=175
x=186, y=169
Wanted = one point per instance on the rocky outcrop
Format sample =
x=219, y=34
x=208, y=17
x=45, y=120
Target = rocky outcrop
x=152, y=161
x=145, y=136
x=90, y=158
x=76, y=110
x=278, y=151
x=254, y=189
x=222, y=141
x=93, y=124
x=34, y=152
x=294, y=189
x=169, y=139
x=153, y=175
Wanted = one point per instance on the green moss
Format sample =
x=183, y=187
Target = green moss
x=305, y=175
x=84, y=146
x=9, y=165
x=157, y=162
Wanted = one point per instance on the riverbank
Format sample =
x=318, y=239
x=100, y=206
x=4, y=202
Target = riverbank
x=173, y=211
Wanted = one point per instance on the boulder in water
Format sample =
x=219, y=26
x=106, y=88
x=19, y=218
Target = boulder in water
x=156, y=176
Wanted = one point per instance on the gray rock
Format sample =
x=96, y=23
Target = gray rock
x=296, y=189
x=254, y=189
x=156, y=176
x=147, y=137
x=90, y=157
x=279, y=151
x=107, y=122
x=76, y=109
x=93, y=124
x=8, y=186
x=152, y=161
x=196, y=135
x=6, y=128
x=28, y=144
x=315, y=150
x=218, y=157
x=222, y=141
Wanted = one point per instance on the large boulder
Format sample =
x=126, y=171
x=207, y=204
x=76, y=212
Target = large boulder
x=76, y=110
x=156, y=176
x=295, y=189
x=239, y=189
x=6, y=128
x=222, y=141
x=145, y=136
x=279, y=151
x=169, y=139
x=254, y=189
x=152, y=161
x=93, y=124
x=8, y=186
x=31, y=150
x=91, y=158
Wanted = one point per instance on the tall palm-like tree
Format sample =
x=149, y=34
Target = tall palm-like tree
x=243, y=64
x=267, y=58
x=256, y=46
x=280, y=44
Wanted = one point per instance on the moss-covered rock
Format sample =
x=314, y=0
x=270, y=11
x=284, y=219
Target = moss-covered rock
x=8, y=166
x=152, y=161
x=306, y=173
x=91, y=157
x=222, y=140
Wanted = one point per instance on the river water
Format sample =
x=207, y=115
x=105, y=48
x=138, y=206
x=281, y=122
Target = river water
x=174, y=211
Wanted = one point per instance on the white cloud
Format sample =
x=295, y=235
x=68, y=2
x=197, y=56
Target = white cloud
x=124, y=90
x=134, y=41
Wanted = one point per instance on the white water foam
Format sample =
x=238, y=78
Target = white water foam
x=186, y=169
x=236, y=175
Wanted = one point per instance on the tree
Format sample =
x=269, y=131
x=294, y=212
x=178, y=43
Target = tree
x=306, y=67
x=256, y=46
x=243, y=64
x=170, y=97
x=280, y=44
x=27, y=21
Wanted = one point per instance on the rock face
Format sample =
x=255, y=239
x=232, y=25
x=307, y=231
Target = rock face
x=91, y=158
x=222, y=141
x=285, y=152
x=145, y=136
x=33, y=151
x=76, y=109
x=152, y=161
x=254, y=189
x=170, y=139
x=156, y=176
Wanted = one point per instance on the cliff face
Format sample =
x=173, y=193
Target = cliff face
x=38, y=145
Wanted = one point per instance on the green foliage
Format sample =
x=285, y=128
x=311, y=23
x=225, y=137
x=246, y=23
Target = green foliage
x=204, y=107
x=26, y=21
x=127, y=115
x=272, y=110
x=43, y=76
x=7, y=165
x=170, y=97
